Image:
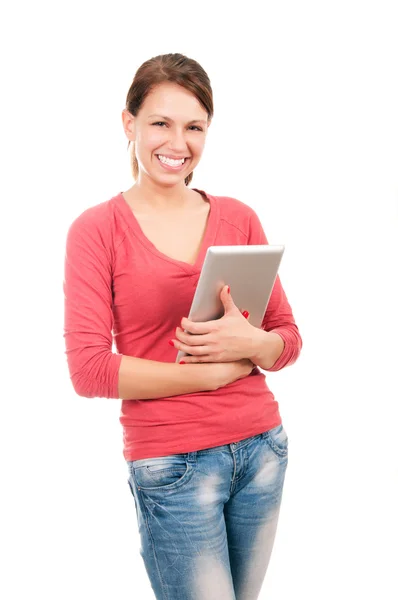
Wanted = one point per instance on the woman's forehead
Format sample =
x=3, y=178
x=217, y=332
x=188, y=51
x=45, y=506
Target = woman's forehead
x=174, y=102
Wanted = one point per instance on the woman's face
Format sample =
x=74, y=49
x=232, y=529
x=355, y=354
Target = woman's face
x=171, y=124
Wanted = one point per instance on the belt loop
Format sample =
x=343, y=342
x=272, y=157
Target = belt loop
x=191, y=456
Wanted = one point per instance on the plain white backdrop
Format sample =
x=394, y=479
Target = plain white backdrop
x=305, y=131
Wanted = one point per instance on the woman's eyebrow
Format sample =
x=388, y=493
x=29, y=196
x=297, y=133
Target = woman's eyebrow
x=168, y=119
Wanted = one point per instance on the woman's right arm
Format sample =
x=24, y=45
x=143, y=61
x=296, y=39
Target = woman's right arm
x=95, y=370
x=143, y=379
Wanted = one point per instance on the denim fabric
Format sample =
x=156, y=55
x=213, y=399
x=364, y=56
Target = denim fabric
x=207, y=519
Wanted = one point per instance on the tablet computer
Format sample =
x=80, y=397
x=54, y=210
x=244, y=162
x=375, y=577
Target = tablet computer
x=249, y=270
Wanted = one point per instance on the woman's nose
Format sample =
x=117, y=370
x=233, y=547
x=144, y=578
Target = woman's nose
x=177, y=142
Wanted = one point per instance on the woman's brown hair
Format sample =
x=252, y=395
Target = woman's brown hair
x=175, y=68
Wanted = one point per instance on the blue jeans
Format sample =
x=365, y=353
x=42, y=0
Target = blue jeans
x=207, y=519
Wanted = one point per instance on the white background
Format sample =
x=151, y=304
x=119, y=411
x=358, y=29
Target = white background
x=305, y=131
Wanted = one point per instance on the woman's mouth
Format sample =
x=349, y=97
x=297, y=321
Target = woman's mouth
x=171, y=164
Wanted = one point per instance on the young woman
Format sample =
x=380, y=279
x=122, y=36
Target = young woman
x=204, y=443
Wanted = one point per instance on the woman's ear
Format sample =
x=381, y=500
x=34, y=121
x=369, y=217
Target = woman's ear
x=128, y=124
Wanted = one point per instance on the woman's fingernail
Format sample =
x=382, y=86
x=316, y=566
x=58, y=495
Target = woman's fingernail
x=171, y=343
x=229, y=290
x=245, y=314
x=182, y=362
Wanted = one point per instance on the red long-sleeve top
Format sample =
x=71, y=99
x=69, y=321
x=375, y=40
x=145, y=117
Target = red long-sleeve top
x=118, y=287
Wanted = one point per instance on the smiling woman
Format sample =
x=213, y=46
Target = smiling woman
x=204, y=442
x=177, y=107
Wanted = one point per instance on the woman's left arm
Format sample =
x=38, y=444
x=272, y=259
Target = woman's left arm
x=277, y=343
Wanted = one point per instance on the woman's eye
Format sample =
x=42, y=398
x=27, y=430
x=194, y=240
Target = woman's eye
x=163, y=123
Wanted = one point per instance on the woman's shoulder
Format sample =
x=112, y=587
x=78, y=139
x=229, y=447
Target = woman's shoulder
x=234, y=207
x=95, y=222
x=95, y=215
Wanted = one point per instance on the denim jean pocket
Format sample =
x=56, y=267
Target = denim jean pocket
x=161, y=472
x=278, y=440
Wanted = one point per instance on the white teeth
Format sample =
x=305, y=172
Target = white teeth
x=171, y=161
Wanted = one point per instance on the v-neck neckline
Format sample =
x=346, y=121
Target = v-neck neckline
x=207, y=240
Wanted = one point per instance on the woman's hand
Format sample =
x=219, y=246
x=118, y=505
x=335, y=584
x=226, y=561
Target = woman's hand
x=228, y=372
x=223, y=340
